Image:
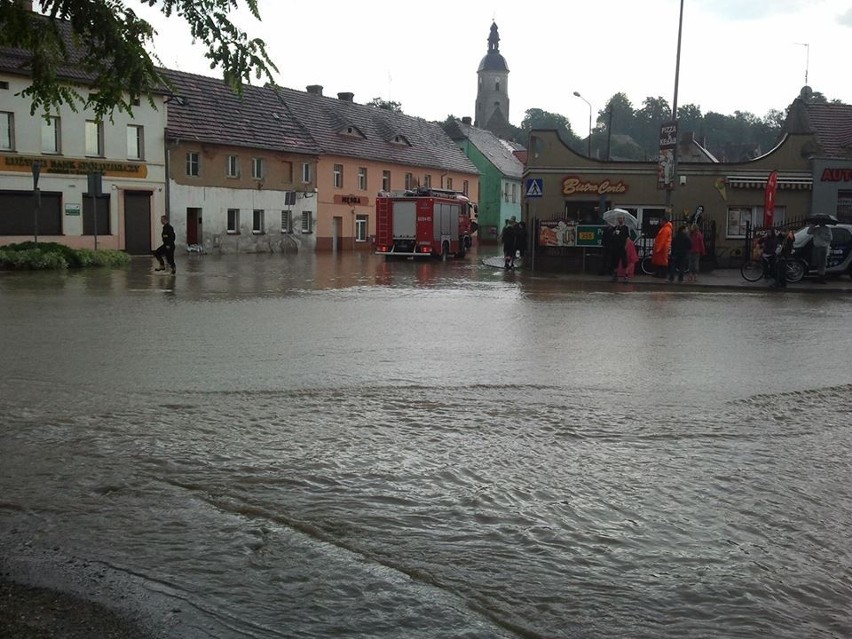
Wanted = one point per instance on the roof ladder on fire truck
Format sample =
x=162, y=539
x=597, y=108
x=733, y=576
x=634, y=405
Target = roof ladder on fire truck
x=382, y=222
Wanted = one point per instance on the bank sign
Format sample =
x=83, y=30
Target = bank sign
x=63, y=166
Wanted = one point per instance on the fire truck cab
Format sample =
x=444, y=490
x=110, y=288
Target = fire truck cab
x=423, y=223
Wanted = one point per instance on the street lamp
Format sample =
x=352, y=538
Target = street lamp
x=577, y=94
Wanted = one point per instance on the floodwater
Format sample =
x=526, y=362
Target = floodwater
x=320, y=446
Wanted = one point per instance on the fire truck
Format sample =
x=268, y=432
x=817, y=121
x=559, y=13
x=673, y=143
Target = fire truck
x=424, y=222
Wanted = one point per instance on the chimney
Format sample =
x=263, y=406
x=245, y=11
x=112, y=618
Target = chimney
x=466, y=120
x=346, y=96
x=314, y=89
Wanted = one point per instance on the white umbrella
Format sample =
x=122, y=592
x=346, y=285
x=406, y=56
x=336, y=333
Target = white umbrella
x=630, y=220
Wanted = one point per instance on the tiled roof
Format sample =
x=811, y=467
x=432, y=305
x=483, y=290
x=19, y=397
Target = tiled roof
x=832, y=124
x=497, y=151
x=18, y=61
x=205, y=109
x=325, y=117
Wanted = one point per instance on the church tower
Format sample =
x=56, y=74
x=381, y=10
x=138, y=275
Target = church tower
x=492, y=94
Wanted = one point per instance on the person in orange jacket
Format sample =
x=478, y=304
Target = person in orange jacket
x=662, y=247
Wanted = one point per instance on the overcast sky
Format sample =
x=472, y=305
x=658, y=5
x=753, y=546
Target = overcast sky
x=746, y=55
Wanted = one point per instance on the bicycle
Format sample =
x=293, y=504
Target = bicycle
x=753, y=270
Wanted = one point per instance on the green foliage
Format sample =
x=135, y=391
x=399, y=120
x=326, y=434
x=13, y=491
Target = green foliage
x=51, y=255
x=387, y=105
x=109, y=43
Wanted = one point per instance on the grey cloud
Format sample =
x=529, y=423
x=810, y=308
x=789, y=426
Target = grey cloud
x=845, y=19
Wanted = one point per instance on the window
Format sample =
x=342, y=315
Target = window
x=233, y=221
x=505, y=192
x=465, y=187
x=844, y=206
x=409, y=181
x=94, y=138
x=450, y=183
x=193, y=166
x=7, y=131
x=257, y=225
x=427, y=181
x=360, y=228
x=135, y=139
x=232, y=167
x=257, y=172
x=50, y=140
x=497, y=86
x=386, y=181
x=286, y=222
x=307, y=222
x=514, y=192
x=338, y=176
x=739, y=216
x=306, y=173
x=362, y=178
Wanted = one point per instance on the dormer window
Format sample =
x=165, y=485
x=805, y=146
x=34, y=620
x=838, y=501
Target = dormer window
x=352, y=132
x=401, y=140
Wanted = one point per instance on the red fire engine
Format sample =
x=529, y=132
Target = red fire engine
x=424, y=222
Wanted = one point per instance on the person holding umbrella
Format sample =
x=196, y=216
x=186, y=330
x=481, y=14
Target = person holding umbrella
x=822, y=236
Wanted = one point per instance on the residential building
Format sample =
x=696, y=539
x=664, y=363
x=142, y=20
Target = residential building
x=242, y=170
x=501, y=179
x=365, y=150
x=46, y=159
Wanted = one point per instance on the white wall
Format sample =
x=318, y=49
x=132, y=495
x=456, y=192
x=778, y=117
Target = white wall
x=214, y=203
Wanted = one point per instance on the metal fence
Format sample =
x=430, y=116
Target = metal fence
x=567, y=256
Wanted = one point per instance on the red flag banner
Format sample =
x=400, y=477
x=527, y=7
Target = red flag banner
x=769, y=199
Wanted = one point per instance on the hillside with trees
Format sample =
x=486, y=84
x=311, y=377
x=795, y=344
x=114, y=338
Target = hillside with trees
x=622, y=131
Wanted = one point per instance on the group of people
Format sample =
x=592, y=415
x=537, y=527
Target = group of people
x=514, y=240
x=619, y=257
x=678, y=253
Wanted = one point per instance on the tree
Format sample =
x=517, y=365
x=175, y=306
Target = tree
x=540, y=119
x=107, y=41
x=387, y=105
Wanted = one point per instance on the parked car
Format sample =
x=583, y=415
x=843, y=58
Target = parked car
x=839, y=256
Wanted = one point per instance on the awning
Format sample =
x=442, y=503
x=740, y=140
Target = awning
x=758, y=182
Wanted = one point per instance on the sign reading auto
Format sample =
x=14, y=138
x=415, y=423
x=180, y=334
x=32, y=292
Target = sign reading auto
x=573, y=185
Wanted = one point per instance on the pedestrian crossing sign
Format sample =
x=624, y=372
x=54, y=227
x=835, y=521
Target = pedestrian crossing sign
x=535, y=187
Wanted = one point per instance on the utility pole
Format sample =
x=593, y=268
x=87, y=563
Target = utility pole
x=674, y=111
x=36, y=197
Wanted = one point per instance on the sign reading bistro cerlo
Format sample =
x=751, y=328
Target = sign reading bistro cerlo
x=64, y=166
x=573, y=185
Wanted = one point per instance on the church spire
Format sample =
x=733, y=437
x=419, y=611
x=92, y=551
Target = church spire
x=494, y=39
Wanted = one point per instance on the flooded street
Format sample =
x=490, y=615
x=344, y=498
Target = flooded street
x=319, y=446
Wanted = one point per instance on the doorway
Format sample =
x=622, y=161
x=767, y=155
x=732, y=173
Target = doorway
x=193, y=226
x=336, y=231
x=137, y=222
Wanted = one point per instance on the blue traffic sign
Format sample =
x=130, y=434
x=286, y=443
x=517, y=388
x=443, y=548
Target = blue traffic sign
x=535, y=187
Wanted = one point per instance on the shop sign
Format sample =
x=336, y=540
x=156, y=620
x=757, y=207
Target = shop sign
x=352, y=200
x=836, y=175
x=72, y=209
x=63, y=166
x=573, y=185
x=589, y=235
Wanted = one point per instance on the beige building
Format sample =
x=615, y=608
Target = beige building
x=365, y=150
x=811, y=160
